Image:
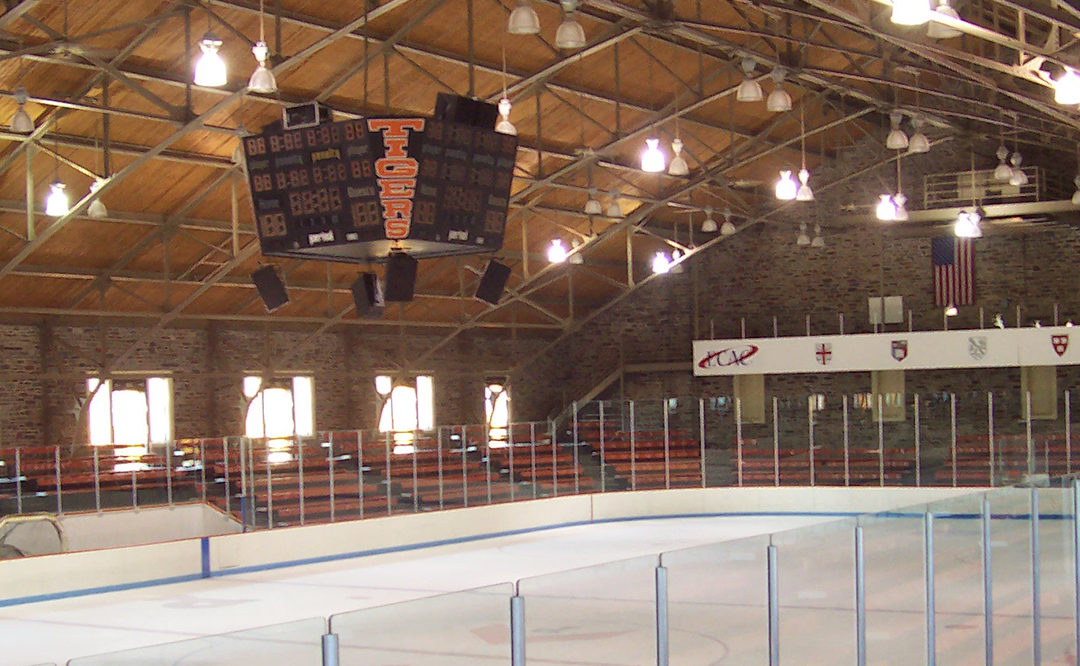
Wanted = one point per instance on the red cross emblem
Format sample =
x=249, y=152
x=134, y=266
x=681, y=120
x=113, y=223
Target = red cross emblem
x=824, y=353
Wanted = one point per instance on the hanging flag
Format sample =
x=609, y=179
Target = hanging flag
x=953, y=260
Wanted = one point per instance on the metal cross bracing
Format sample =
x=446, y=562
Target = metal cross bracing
x=536, y=85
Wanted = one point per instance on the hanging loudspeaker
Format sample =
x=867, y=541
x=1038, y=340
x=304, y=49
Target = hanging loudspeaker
x=270, y=287
x=492, y=282
x=400, y=278
x=367, y=294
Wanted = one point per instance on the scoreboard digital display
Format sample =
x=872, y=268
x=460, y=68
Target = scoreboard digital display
x=352, y=190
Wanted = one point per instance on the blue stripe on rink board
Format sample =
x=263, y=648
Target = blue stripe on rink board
x=206, y=572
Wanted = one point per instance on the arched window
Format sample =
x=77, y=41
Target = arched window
x=497, y=412
x=407, y=405
x=130, y=412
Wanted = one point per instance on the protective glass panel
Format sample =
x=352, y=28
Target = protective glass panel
x=603, y=614
x=469, y=627
x=285, y=644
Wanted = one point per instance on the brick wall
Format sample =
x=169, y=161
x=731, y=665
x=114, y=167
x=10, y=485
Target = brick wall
x=43, y=371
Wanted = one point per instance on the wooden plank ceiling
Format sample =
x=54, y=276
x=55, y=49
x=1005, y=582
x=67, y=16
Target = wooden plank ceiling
x=110, y=94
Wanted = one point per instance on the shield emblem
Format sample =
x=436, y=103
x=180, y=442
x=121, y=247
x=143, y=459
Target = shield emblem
x=899, y=349
x=824, y=353
x=1060, y=343
x=977, y=347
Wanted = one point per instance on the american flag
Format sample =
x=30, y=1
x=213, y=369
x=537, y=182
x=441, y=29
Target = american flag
x=954, y=271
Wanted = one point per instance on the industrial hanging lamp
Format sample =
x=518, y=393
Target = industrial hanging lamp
x=803, y=239
x=749, y=90
x=56, y=204
x=262, y=79
x=938, y=30
x=556, y=252
x=779, y=99
x=708, y=226
x=804, y=193
x=818, y=241
x=523, y=20
x=569, y=35
x=21, y=122
x=910, y=12
x=613, y=208
x=896, y=140
x=504, y=126
x=786, y=189
x=210, y=70
x=728, y=227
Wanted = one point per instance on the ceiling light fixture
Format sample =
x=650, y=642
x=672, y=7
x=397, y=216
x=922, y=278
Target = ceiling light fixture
x=1018, y=177
x=676, y=265
x=709, y=225
x=613, y=208
x=951, y=311
x=786, y=189
x=1076, y=194
x=504, y=126
x=937, y=30
x=749, y=90
x=262, y=79
x=779, y=100
x=210, y=70
x=576, y=257
x=661, y=263
x=900, y=213
x=886, y=209
x=97, y=209
x=1003, y=172
x=556, y=252
x=818, y=241
x=523, y=20
x=804, y=193
x=56, y=204
x=910, y=12
x=21, y=122
x=570, y=35
x=967, y=225
x=1067, y=87
x=918, y=143
x=803, y=239
x=727, y=228
x=896, y=140
x=652, y=160
x=678, y=166
x=592, y=206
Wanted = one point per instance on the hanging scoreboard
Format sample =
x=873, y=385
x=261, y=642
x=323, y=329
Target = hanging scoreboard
x=353, y=190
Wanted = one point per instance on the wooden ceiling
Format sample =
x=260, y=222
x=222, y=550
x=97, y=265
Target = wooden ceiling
x=110, y=94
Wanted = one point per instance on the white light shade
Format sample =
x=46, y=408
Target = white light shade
x=727, y=228
x=592, y=206
x=779, y=100
x=1002, y=172
x=523, y=20
x=613, y=208
x=819, y=240
x=967, y=225
x=504, y=126
x=709, y=225
x=1018, y=178
x=97, y=209
x=210, y=70
x=886, y=209
x=1076, y=198
x=802, y=240
x=918, y=143
x=910, y=12
x=938, y=30
x=262, y=79
x=576, y=258
x=57, y=202
x=786, y=189
x=951, y=311
x=896, y=140
x=900, y=202
x=678, y=166
x=570, y=34
x=556, y=253
x=652, y=160
x=1067, y=88
x=749, y=91
x=804, y=192
x=660, y=263
x=21, y=122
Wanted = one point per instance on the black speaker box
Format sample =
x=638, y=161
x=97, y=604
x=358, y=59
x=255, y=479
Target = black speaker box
x=400, y=278
x=492, y=282
x=270, y=287
x=456, y=109
x=367, y=295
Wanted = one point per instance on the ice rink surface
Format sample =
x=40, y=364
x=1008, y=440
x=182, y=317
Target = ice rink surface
x=56, y=631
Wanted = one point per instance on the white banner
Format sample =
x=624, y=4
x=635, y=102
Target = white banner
x=924, y=350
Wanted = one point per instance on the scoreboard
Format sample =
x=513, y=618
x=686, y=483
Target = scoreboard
x=353, y=190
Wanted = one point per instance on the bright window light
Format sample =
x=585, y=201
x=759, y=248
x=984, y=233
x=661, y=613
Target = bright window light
x=407, y=407
x=135, y=413
x=497, y=412
x=910, y=12
x=280, y=410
